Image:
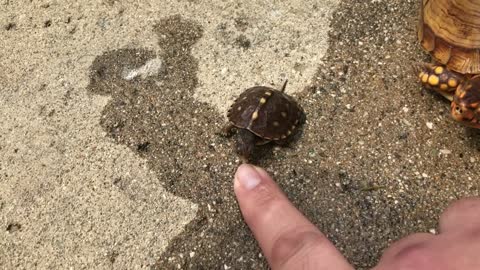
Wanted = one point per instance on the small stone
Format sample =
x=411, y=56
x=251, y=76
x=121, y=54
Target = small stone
x=430, y=125
x=192, y=254
x=150, y=68
x=445, y=152
x=432, y=231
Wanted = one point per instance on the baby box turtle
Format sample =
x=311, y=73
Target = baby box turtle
x=260, y=115
x=450, y=31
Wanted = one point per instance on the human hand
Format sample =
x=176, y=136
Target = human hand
x=289, y=241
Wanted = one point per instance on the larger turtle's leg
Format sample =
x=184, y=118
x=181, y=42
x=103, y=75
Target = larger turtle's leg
x=245, y=144
x=439, y=79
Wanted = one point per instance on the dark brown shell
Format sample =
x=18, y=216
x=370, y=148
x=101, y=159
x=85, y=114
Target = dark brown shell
x=266, y=112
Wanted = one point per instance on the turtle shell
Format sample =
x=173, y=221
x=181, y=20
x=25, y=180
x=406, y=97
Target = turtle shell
x=450, y=31
x=266, y=112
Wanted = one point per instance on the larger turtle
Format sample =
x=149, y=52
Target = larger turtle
x=261, y=115
x=450, y=31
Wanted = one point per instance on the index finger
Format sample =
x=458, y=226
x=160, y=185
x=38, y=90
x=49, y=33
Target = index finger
x=287, y=239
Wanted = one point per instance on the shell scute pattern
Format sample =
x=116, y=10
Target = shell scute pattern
x=240, y=113
x=266, y=112
x=277, y=116
x=450, y=31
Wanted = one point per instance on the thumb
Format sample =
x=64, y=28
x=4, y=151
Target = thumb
x=288, y=240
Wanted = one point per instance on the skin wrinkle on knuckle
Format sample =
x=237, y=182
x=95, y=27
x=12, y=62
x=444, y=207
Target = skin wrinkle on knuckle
x=414, y=257
x=411, y=240
x=295, y=245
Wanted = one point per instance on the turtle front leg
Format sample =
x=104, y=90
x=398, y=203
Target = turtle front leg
x=245, y=144
x=465, y=107
x=227, y=130
x=439, y=79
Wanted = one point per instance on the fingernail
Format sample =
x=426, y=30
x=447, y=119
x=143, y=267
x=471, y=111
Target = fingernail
x=248, y=177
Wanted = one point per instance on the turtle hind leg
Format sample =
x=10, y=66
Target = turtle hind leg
x=439, y=79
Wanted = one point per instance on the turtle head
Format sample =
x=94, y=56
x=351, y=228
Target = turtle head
x=245, y=143
x=465, y=106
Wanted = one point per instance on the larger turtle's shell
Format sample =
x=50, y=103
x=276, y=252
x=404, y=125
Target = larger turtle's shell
x=450, y=31
x=268, y=113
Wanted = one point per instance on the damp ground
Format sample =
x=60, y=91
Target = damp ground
x=378, y=158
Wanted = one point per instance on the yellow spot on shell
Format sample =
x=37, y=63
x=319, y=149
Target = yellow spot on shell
x=289, y=132
x=263, y=100
x=255, y=115
x=438, y=70
x=421, y=75
x=433, y=80
x=452, y=82
x=443, y=86
x=425, y=78
x=276, y=124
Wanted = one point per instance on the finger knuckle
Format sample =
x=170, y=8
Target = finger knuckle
x=461, y=207
x=291, y=246
x=465, y=204
x=413, y=257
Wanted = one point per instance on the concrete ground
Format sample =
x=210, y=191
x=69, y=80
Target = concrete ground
x=110, y=156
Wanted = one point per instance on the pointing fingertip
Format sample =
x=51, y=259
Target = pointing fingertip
x=247, y=177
